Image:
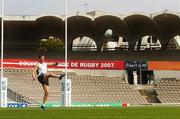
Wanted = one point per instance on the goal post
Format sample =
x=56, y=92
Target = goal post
x=3, y=94
x=66, y=92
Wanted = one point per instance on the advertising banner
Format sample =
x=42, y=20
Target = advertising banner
x=86, y=104
x=16, y=105
x=163, y=65
x=135, y=65
x=72, y=64
x=97, y=104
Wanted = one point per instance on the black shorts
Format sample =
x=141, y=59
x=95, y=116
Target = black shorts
x=42, y=80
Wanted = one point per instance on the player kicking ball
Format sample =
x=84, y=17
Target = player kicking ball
x=40, y=73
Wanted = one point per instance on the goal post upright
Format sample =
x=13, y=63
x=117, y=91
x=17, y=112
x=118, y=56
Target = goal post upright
x=3, y=81
x=65, y=82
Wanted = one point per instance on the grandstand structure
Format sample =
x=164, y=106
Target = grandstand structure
x=85, y=88
x=168, y=90
x=147, y=45
x=137, y=31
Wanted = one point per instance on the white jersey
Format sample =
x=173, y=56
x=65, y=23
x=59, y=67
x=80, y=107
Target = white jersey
x=42, y=68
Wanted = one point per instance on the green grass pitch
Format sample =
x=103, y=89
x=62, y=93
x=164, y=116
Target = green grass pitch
x=92, y=113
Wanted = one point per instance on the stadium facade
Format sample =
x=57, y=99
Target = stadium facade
x=158, y=29
x=146, y=51
x=27, y=30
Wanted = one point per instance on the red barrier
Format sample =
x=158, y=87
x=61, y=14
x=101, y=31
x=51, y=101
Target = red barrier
x=163, y=65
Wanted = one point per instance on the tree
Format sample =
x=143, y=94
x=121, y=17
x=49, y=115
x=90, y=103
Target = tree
x=51, y=44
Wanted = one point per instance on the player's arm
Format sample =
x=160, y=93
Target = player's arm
x=53, y=64
x=34, y=72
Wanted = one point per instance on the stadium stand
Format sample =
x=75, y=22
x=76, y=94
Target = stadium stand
x=85, y=88
x=168, y=90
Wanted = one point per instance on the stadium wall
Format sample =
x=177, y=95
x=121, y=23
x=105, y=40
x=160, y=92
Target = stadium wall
x=112, y=73
x=165, y=74
x=161, y=69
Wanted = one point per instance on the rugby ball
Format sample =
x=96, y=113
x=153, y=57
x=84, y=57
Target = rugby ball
x=108, y=33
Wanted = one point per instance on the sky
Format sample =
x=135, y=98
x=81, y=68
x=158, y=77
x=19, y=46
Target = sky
x=57, y=7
